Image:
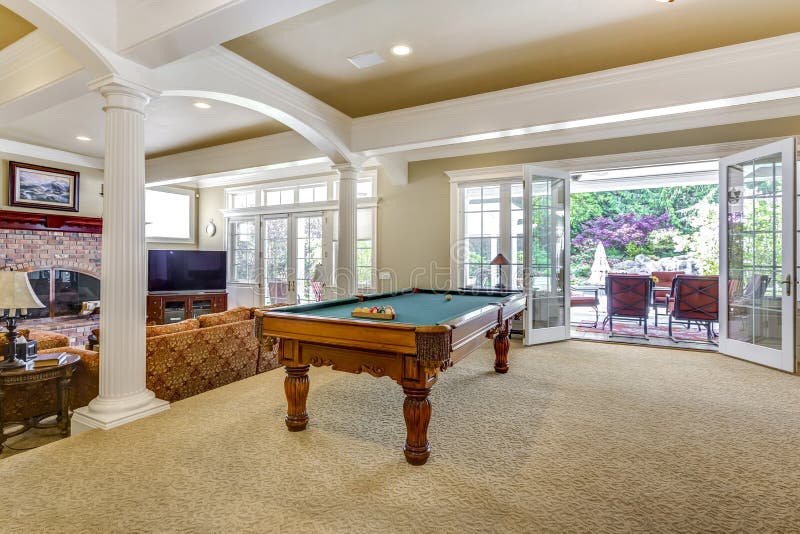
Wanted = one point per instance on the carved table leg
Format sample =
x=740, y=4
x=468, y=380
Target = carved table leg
x=417, y=413
x=63, y=421
x=501, y=348
x=296, y=387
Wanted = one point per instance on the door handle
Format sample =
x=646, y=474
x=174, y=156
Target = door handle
x=788, y=283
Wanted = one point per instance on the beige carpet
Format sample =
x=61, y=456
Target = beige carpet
x=577, y=437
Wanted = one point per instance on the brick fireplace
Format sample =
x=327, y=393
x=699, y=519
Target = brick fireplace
x=62, y=255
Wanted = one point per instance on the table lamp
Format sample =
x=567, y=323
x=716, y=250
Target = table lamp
x=16, y=297
x=500, y=260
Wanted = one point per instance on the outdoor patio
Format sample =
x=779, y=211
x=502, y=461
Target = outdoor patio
x=582, y=321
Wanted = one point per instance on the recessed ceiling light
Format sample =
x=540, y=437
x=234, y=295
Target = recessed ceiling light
x=83, y=138
x=201, y=105
x=401, y=50
x=665, y=1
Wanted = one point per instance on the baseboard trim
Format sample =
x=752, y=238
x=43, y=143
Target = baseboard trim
x=83, y=419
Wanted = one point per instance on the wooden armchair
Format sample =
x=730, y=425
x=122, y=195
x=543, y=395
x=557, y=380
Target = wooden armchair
x=628, y=296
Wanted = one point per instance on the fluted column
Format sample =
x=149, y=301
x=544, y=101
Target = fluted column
x=348, y=211
x=123, y=396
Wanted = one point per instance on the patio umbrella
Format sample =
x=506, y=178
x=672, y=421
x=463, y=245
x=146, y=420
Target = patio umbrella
x=600, y=266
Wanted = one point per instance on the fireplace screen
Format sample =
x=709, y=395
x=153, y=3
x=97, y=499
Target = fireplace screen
x=63, y=292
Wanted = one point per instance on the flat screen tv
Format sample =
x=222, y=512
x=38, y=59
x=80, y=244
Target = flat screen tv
x=186, y=270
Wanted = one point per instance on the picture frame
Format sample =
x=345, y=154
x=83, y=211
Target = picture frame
x=35, y=186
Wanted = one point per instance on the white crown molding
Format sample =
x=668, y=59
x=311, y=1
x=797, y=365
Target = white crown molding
x=157, y=33
x=611, y=161
x=32, y=63
x=266, y=173
x=16, y=148
x=232, y=157
x=688, y=121
x=709, y=77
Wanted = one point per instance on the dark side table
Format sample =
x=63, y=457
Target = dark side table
x=27, y=375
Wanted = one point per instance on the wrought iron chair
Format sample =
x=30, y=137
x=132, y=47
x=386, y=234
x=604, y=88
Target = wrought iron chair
x=628, y=296
x=694, y=299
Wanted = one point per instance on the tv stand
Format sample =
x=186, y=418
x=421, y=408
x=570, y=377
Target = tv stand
x=168, y=308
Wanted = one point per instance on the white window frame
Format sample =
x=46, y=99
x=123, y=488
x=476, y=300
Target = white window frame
x=457, y=185
x=327, y=208
x=192, y=194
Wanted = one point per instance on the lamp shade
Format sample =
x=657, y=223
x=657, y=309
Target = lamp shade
x=500, y=260
x=16, y=291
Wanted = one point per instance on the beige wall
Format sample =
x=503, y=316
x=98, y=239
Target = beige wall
x=90, y=203
x=212, y=200
x=414, y=219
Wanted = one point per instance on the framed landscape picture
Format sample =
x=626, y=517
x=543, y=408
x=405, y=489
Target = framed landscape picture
x=34, y=186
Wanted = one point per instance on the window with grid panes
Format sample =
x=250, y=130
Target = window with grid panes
x=243, y=251
x=491, y=224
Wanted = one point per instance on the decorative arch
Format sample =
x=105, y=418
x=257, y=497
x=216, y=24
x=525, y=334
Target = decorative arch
x=326, y=143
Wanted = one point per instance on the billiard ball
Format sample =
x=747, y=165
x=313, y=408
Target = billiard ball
x=448, y=297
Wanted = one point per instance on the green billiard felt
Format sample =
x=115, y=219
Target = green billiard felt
x=410, y=308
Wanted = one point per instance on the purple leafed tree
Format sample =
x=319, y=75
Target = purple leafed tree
x=618, y=231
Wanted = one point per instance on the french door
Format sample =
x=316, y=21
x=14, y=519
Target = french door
x=757, y=255
x=291, y=253
x=546, y=253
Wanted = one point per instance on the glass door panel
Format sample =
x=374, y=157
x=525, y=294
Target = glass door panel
x=276, y=256
x=308, y=246
x=757, y=224
x=547, y=255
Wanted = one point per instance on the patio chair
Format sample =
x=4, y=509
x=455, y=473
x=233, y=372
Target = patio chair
x=694, y=299
x=661, y=296
x=586, y=298
x=628, y=296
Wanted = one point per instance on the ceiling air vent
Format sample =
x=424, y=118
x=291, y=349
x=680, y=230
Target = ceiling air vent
x=366, y=60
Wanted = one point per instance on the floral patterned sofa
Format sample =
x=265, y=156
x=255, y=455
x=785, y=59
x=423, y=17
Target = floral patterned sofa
x=183, y=359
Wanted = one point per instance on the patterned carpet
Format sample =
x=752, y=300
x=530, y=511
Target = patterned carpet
x=576, y=437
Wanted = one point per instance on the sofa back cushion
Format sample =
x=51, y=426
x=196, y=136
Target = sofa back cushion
x=231, y=316
x=161, y=329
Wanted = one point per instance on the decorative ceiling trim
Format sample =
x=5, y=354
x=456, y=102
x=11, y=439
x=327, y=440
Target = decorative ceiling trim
x=683, y=84
x=17, y=148
x=612, y=161
x=219, y=74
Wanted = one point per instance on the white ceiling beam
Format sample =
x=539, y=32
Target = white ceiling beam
x=270, y=151
x=33, y=62
x=15, y=148
x=157, y=33
x=722, y=78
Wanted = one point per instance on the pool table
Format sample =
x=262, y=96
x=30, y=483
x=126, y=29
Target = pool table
x=429, y=334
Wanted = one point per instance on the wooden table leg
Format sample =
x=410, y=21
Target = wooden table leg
x=64, y=423
x=417, y=413
x=501, y=348
x=296, y=387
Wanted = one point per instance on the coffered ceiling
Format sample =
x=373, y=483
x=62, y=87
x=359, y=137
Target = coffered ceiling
x=467, y=47
x=12, y=27
x=173, y=125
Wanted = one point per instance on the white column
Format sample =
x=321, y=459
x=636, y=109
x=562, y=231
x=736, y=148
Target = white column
x=348, y=210
x=123, y=396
